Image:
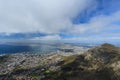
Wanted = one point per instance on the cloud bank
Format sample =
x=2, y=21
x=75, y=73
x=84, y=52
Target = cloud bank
x=55, y=17
x=45, y=16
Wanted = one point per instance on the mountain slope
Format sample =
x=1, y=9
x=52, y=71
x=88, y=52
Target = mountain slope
x=99, y=63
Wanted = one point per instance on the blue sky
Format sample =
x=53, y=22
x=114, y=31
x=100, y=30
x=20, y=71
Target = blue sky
x=65, y=20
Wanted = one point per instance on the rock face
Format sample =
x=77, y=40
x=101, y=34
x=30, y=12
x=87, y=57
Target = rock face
x=99, y=63
x=105, y=53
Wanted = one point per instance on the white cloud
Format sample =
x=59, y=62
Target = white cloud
x=48, y=37
x=45, y=16
x=98, y=24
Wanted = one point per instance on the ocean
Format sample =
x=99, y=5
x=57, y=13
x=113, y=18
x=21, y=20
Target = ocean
x=36, y=48
x=32, y=49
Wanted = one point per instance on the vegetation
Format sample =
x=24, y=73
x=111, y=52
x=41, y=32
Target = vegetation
x=3, y=59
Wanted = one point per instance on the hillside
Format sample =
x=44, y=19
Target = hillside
x=99, y=63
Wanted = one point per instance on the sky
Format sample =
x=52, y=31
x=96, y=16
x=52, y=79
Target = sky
x=64, y=20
